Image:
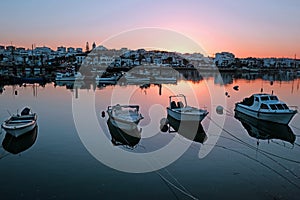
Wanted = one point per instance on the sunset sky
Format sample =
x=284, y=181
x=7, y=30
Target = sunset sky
x=257, y=28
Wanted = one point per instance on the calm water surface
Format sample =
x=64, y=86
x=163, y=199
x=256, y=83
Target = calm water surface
x=54, y=163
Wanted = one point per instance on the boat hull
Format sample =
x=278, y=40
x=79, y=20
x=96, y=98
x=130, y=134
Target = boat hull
x=16, y=132
x=185, y=116
x=69, y=79
x=123, y=125
x=18, y=125
x=276, y=117
x=106, y=79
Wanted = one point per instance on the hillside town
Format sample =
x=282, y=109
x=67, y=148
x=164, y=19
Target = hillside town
x=12, y=56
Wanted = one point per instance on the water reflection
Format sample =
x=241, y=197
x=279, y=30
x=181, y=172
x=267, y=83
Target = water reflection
x=70, y=84
x=17, y=145
x=248, y=165
x=120, y=137
x=263, y=130
x=191, y=130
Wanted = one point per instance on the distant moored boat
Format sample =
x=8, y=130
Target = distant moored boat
x=69, y=76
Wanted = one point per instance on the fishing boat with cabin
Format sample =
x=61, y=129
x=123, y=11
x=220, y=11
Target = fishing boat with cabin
x=181, y=111
x=266, y=107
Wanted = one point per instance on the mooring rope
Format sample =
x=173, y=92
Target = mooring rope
x=177, y=188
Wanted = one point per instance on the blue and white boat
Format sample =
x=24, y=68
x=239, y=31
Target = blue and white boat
x=266, y=107
x=182, y=111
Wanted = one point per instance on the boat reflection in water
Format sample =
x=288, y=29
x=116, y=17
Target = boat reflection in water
x=70, y=84
x=19, y=144
x=119, y=137
x=192, y=130
x=264, y=130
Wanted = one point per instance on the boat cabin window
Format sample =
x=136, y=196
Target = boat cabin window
x=285, y=106
x=173, y=105
x=265, y=98
x=273, y=98
x=256, y=99
x=273, y=107
x=280, y=107
x=180, y=104
x=264, y=106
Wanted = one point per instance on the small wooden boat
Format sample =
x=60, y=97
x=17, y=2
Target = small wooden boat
x=182, y=112
x=266, y=107
x=22, y=123
x=125, y=117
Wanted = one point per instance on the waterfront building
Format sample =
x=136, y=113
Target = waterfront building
x=78, y=50
x=71, y=50
x=224, y=59
x=10, y=48
x=62, y=49
x=42, y=50
x=80, y=58
x=2, y=49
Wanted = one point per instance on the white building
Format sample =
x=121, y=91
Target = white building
x=62, y=49
x=79, y=50
x=2, y=49
x=71, y=50
x=269, y=62
x=224, y=59
x=106, y=60
x=80, y=58
x=42, y=50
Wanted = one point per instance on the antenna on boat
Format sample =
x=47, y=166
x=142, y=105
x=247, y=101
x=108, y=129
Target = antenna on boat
x=8, y=112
